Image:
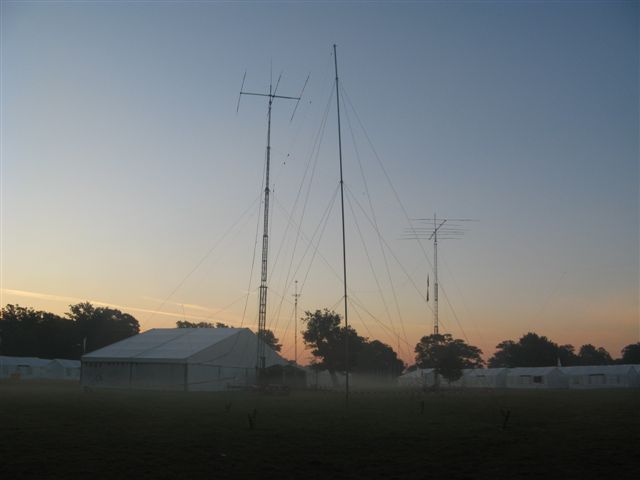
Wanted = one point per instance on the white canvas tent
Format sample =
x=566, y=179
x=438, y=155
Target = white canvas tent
x=63, y=369
x=188, y=359
x=602, y=376
x=536, y=378
x=484, y=377
x=23, y=367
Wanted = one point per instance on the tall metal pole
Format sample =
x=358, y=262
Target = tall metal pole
x=435, y=273
x=262, y=309
x=344, y=243
x=295, y=324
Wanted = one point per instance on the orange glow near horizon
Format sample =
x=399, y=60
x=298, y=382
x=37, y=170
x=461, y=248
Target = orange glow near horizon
x=593, y=329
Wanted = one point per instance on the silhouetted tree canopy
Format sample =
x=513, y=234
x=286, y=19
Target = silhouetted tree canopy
x=27, y=332
x=631, y=354
x=326, y=338
x=448, y=356
x=270, y=339
x=30, y=333
x=375, y=357
x=532, y=350
x=187, y=324
x=101, y=326
x=590, y=355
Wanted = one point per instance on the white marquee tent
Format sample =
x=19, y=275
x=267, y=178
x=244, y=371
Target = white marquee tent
x=23, y=367
x=536, y=377
x=484, y=377
x=602, y=376
x=188, y=359
x=62, y=369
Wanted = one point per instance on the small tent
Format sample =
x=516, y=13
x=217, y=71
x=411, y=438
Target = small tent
x=602, y=376
x=23, y=368
x=63, y=369
x=188, y=359
x=536, y=378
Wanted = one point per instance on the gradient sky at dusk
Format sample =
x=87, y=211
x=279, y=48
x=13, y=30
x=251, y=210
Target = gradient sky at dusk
x=124, y=162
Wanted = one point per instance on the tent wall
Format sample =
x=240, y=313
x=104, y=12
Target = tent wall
x=217, y=378
x=485, y=378
x=23, y=368
x=63, y=370
x=604, y=376
x=536, y=378
x=106, y=374
x=158, y=376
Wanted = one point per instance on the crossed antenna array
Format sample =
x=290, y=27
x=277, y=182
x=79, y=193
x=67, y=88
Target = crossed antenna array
x=273, y=93
x=444, y=228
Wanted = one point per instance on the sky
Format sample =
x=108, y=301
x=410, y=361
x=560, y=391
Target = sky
x=129, y=179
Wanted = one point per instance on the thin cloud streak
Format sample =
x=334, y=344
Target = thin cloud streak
x=72, y=300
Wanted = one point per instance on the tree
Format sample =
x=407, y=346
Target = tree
x=590, y=355
x=448, y=356
x=27, y=332
x=566, y=356
x=270, y=339
x=378, y=358
x=101, y=326
x=187, y=324
x=631, y=354
x=326, y=339
x=531, y=350
x=505, y=355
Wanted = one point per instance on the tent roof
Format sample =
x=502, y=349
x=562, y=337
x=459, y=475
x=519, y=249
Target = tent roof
x=163, y=343
x=598, y=369
x=67, y=363
x=485, y=372
x=531, y=370
x=30, y=361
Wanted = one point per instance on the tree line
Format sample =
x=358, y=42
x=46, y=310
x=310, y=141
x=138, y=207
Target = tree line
x=26, y=332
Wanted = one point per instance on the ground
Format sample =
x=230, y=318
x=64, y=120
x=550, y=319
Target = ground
x=51, y=430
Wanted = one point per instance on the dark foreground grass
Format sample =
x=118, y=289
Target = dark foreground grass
x=58, y=431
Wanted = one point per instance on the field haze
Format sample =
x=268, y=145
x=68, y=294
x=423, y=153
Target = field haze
x=53, y=430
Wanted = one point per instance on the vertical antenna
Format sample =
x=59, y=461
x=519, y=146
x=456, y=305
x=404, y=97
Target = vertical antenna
x=295, y=324
x=262, y=309
x=344, y=249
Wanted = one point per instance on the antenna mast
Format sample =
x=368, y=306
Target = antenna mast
x=453, y=230
x=344, y=249
x=262, y=309
x=295, y=324
x=434, y=235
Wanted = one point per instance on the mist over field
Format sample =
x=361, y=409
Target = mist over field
x=319, y=239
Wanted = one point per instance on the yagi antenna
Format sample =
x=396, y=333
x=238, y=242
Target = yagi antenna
x=300, y=96
x=443, y=229
x=240, y=94
x=277, y=83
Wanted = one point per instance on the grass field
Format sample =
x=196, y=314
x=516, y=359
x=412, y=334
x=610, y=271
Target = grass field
x=58, y=431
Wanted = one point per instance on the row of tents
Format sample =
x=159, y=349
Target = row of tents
x=580, y=377
x=197, y=359
x=27, y=368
